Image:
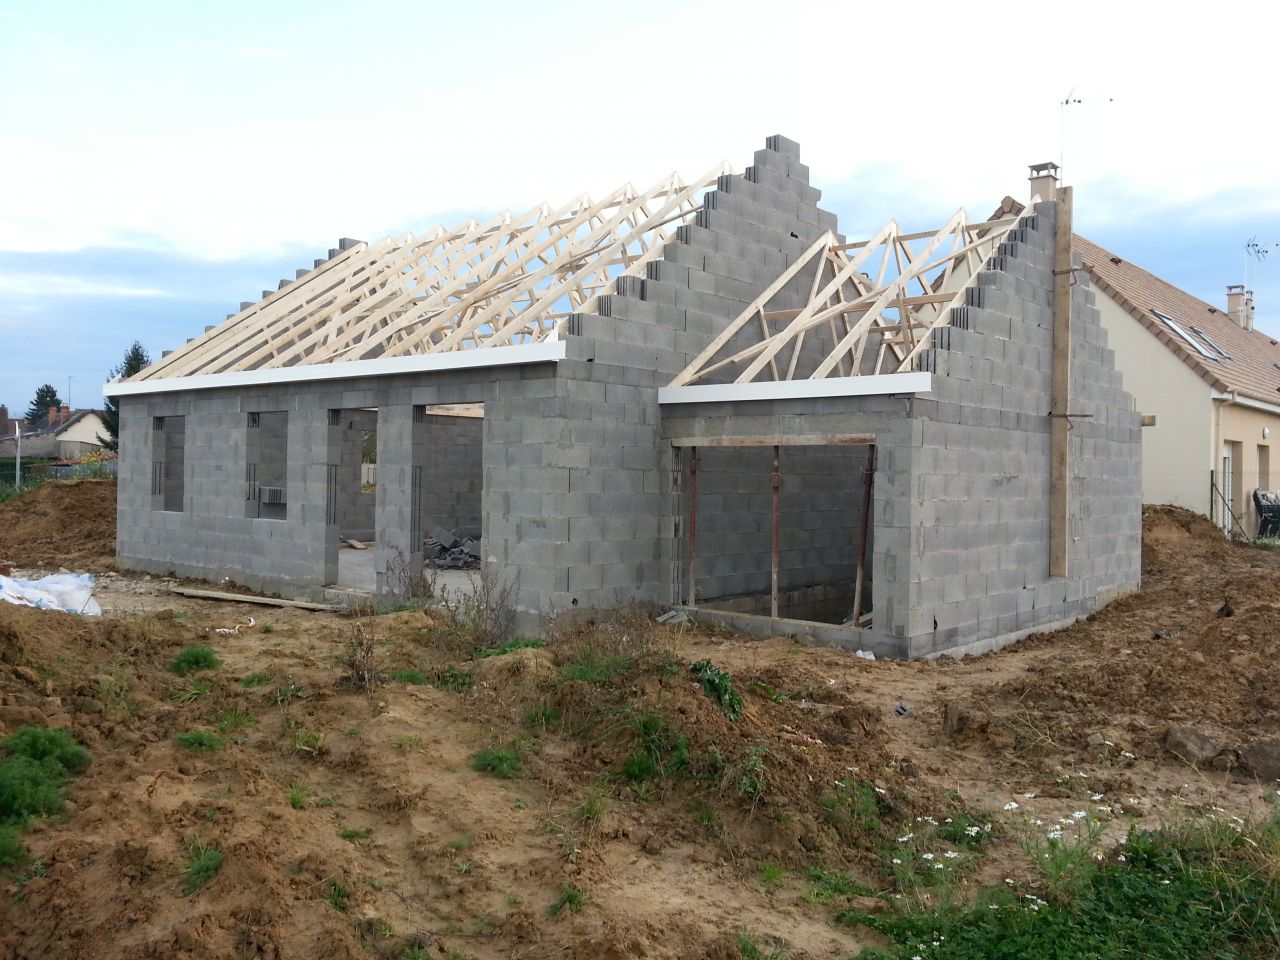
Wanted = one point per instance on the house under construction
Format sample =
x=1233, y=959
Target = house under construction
x=699, y=395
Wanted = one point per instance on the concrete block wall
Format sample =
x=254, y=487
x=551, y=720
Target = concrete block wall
x=979, y=465
x=453, y=472
x=820, y=517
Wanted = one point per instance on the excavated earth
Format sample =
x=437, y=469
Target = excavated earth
x=352, y=824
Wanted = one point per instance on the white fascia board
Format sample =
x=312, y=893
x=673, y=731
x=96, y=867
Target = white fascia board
x=877, y=385
x=1245, y=401
x=549, y=351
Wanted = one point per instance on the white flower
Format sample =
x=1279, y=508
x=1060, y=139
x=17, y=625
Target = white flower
x=1011, y=805
x=1096, y=796
x=974, y=831
x=1165, y=882
x=1127, y=755
x=897, y=862
x=927, y=856
x=1009, y=881
x=905, y=837
x=1029, y=796
x=881, y=790
x=951, y=854
x=939, y=866
x=1079, y=815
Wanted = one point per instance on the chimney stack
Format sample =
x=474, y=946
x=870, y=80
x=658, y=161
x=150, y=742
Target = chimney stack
x=1044, y=181
x=53, y=415
x=1240, y=305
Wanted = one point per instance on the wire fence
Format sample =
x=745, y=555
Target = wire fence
x=1240, y=506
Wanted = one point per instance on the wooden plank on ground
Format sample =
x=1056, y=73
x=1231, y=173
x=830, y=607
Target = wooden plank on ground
x=250, y=598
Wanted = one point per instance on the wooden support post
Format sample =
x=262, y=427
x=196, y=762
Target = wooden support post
x=691, y=598
x=1060, y=392
x=775, y=480
x=868, y=478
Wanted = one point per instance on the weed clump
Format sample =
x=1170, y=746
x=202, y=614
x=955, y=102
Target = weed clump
x=519, y=643
x=361, y=663
x=502, y=762
x=414, y=677
x=256, y=679
x=657, y=751
x=38, y=763
x=570, y=898
x=718, y=685
x=204, y=860
x=42, y=744
x=200, y=741
x=194, y=658
x=452, y=678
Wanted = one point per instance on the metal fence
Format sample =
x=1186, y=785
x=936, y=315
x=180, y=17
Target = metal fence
x=1234, y=507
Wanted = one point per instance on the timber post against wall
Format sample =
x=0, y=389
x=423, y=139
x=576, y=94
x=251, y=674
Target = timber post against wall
x=1060, y=391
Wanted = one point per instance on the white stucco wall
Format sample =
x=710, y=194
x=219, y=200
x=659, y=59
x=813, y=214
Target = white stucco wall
x=85, y=430
x=1177, y=453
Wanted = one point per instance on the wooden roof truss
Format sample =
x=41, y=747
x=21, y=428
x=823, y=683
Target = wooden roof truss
x=510, y=281
x=878, y=301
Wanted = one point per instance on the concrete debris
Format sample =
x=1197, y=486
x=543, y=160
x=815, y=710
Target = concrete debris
x=865, y=655
x=902, y=710
x=1263, y=760
x=673, y=616
x=1189, y=744
x=453, y=549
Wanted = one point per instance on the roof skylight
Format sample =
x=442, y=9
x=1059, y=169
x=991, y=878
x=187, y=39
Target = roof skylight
x=1211, y=342
x=1186, y=337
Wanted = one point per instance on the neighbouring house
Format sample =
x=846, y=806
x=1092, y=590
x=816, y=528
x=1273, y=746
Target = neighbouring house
x=699, y=395
x=68, y=435
x=9, y=424
x=1210, y=380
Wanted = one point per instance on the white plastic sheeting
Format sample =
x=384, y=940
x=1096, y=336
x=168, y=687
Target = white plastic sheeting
x=71, y=592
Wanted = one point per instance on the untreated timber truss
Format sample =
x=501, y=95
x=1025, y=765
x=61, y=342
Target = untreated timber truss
x=512, y=280
x=870, y=308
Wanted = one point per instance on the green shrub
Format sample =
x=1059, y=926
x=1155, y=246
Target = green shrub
x=502, y=762
x=718, y=685
x=256, y=679
x=193, y=658
x=415, y=677
x=40, y=743
x=203, y=862
x=542, y=716
x=12, y=852
x=200, y=740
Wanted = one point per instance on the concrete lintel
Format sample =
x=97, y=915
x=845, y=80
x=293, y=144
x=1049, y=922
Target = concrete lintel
x=549, y=351
x=873, y=385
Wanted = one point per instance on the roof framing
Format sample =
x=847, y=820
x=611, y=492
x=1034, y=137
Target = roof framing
x=508, y=282
x=887, y=295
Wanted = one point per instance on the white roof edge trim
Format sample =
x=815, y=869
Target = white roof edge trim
x=875, y=385
x=1244, y=401
x=548, y=351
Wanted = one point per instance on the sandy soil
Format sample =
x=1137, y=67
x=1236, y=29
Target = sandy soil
x=467, y=865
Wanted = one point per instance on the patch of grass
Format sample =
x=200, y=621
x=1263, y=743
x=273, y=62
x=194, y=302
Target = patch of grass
x=194, y=658
x=12, y=852
x=748, y=949
x=542, y=716
x=501, y=762
x=596, y=666
x=771, y=874
x=1202, y=889
x=43, y=744
x=519, y=643
x=267, y=628
x=406, y=742
x=752, y=775
x=285, y=695
x=204, y=860
x=191, y=691
x=337, y=896
x=200, y=741
x=415, y=952
x=298, y=798
x=965, y=830
x=592, y=807
x=570, y=898
x=307, y=741
x=452, y=678
x=233, y=720
x=854, y=811
x=352, y=834
x=258, y=678
x=411, y=676
x=718, y=685
x=657, y=751
x=460, y=843
x=826, y=885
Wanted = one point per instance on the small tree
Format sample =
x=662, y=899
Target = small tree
x=46, y=399
x=135, y=359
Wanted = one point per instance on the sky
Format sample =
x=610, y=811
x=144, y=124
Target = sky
x=161, y=162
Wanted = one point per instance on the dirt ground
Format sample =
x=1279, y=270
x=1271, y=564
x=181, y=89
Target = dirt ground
x=464, y=864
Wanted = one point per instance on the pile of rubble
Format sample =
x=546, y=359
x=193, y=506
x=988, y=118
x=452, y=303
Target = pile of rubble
x=453, y=549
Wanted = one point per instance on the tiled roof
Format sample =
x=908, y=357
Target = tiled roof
x=1251, y=369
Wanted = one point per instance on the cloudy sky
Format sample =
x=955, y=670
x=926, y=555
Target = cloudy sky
x=162, y=162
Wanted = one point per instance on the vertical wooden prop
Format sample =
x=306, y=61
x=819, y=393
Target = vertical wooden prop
x=1060, y=392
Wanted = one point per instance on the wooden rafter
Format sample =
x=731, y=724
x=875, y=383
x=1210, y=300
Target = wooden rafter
x=918, y=279
x=512, y=280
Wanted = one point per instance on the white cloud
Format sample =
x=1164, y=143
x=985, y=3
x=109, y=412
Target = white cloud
x=61, y=285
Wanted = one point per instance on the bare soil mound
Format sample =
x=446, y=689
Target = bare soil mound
x=61, y=523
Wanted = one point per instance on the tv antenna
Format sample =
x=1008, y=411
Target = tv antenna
x=1071, y=100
